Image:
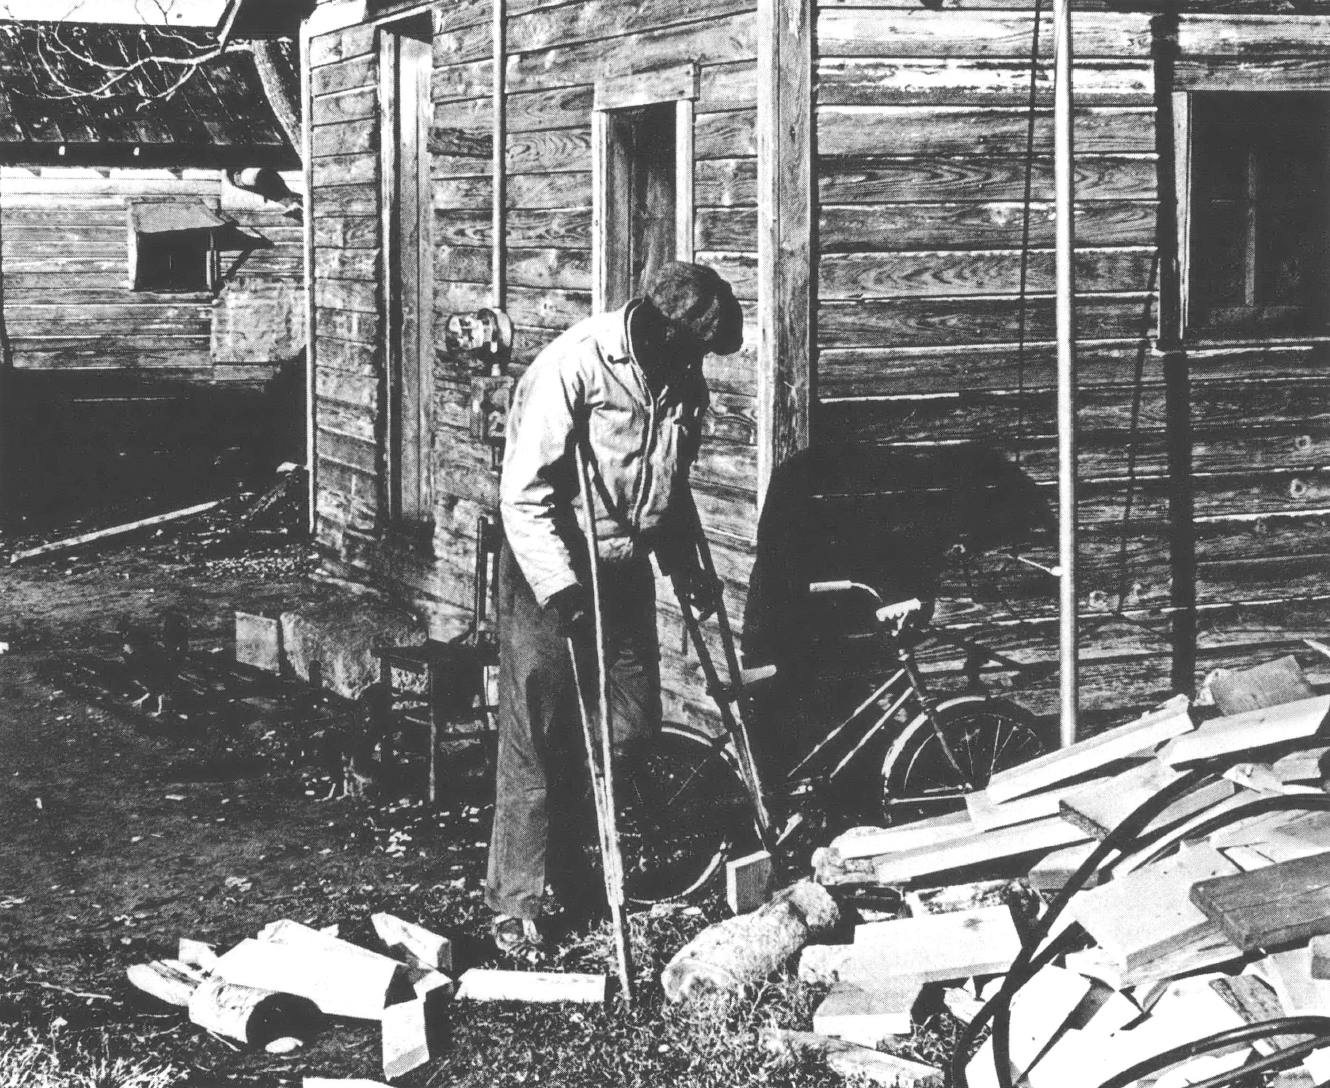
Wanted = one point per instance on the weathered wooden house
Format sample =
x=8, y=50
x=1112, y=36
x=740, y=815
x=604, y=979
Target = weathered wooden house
x=875, y=177
x=148, y=292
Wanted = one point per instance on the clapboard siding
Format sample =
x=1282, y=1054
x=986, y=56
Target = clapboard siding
x=934, y=279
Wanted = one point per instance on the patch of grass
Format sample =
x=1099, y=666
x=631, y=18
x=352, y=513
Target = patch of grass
x=33, y=1060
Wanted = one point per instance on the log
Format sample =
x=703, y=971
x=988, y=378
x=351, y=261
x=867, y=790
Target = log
x=113, y=531
x=853, y=1061
x=537, y=987
x=418, y=943
x=250, y=1015
x=740, y=951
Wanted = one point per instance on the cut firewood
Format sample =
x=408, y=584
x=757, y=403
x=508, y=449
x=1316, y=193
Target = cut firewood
x=535, y=987
x=357, y=984
x=748, y=882
x=405, y=1038
x=1099, y=808
x=867, y=1011
x=418, y=943
x=823, y=963
x=1243, y=732
x=167, y=980
x=1275, y=682
x=851, y=1061
x=1270, y=907
x=1139, y=918
x=978, y=849
x=252, y=1016
x=743, y=950
x=1168, y=721
x=935, y=948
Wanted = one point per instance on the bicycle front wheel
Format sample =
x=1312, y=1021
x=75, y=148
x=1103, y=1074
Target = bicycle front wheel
x=985, y=735
x=683, y=811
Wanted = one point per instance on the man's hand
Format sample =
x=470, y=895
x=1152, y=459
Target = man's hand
x=572, y=608
x=700, y=591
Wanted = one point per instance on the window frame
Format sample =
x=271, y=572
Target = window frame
x=616, y=94
x=209, y=255
x=1184, y=134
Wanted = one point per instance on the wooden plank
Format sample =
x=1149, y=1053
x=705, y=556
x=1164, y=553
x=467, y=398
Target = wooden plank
x=876, y=31
x=1208, y=73
x=1142, y=916
x=867, y=1014
x=1252, y=36
x=1275, y=682
x=981, y=272
x=1101, y=806
x=871, y=842
x=958, y=130
x=1266, y=908
x=1254, y=729
x=887, y=81
x=748, y=882
x=548, y=150
x=346, y=138
x=597, y=19
x=113, y=531
x=344, y=76
x=987, y=815
x=999, y=225
x=644, y=88
x=537, y=987
x=1038, y=1011
x=355, y=984
x=1035, y=837
x=1168, y=721
x=785, y=224
x=853, y=1062
x=934, y=948
x=932, y=322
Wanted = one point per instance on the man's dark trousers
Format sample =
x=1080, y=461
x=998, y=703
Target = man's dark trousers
x=541, y=750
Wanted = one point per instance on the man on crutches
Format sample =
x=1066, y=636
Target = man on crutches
x=623, y=392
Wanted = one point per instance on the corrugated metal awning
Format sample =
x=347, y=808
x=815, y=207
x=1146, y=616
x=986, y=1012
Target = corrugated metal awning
x=166, y=216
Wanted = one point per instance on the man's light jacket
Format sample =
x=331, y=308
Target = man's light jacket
x=587, y=386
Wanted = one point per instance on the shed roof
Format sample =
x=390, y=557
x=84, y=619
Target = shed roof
x=51, y=108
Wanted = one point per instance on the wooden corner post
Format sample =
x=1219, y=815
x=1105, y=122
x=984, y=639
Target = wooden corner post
x=785, y=230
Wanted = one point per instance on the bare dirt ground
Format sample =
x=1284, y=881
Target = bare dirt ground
x=120, y=833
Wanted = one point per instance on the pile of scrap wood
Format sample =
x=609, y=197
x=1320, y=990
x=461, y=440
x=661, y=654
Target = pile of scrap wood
x=1183, y=873
x=275, y=990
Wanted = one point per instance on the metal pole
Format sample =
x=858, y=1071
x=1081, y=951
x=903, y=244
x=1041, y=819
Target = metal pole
x=1066, y=287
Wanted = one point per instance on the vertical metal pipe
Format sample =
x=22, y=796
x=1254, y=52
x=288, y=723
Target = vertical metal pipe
x=1066, y=287
x=499, y=224
x=311, y=359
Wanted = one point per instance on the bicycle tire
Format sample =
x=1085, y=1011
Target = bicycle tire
x=682, y=812
x=987, y=735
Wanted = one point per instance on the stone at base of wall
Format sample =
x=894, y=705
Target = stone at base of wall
x=341, y=632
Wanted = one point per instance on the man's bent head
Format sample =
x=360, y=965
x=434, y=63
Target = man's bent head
x=698, y=300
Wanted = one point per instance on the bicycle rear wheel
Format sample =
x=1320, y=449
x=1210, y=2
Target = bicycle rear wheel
x=682, y=813
x=985, y=735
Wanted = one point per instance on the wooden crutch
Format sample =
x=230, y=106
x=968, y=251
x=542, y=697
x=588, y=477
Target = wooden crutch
x=600, y=756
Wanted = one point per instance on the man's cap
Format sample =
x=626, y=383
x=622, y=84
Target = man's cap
x=699, y=299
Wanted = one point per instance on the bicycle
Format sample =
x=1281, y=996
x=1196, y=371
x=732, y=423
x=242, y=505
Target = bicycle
x=698, y=796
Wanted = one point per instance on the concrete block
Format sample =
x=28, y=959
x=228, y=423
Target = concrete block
x=341, y=633
x=258, y=641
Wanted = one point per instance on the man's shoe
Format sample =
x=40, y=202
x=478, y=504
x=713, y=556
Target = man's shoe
x=517, y=938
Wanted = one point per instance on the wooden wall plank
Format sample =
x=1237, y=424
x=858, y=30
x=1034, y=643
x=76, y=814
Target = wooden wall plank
x=886, y=81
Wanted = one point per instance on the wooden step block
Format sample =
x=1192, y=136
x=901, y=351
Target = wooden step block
x=418, y=943
x=1098, y=809
x=1270, y=907
x=935, y=948
x=1145, y=915
x=978, y=849
x=259, y=641
x=866, y=1012
x=486, y=984
x=748, y=882
x=1084, y=757
x=1250, y=731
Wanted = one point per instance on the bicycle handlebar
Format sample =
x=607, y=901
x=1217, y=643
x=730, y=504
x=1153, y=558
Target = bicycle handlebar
x=898, y=612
